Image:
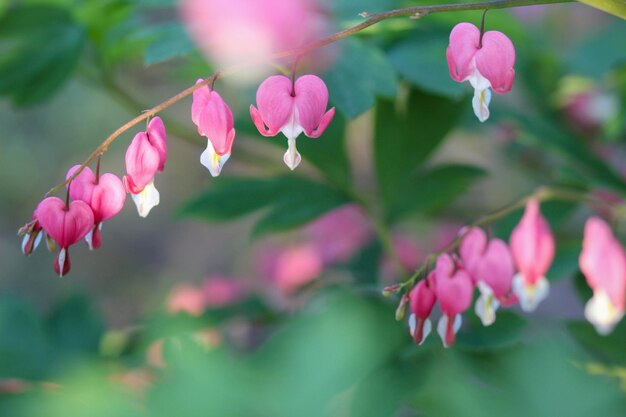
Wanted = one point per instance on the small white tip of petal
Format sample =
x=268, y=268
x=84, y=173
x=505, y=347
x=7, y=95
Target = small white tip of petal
x=212, y=161
x=442, y=327
x=292, y=158
x=89, y=239
x=426, y=330
x=486, y=305
x=480, y=103
x=601, y=313
x=530, y=295
x=62, y=255
x=146, y=199
x=25, y=240
x=412, y=324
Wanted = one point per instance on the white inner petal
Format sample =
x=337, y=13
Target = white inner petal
x=292, y=158
x=212, y=161
x=62, y=261
x=482, y=95
x=412, y=324
x=426, y=330
x=601, y=312
x=486, y=305
x=530, y=295
x=443, y=324
x=89, y=239
x=146, y=199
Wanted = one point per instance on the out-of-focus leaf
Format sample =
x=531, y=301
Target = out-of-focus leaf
x=609, y=349
x=361, y=73
x=437, y=187
x=405, y=138
x=75, y=327
x=171, y=41
x=614, y=7
x=565, y=262
x=292, y=201
x=24, y=349
x=41, y=47
x=422, y=61
x=505, y=332
x=600, y=53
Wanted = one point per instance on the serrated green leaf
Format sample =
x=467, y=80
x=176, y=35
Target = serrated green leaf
x=361, y=73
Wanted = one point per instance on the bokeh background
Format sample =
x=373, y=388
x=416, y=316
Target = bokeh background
x=126, y=332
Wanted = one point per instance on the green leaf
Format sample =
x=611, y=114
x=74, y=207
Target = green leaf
x=75, y=327
x=422, y=61
x=171, y=41
x=504, y=333
x=292, y=201
x=614, y=7
x=405, y=138
x=361, y=73
x=609, y=349
x=41, y=47
x=437, y=187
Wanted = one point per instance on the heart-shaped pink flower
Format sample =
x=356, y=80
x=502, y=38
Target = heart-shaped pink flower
x=292, y=108
x=105, y=196
x=66, y=225
x=454, y=291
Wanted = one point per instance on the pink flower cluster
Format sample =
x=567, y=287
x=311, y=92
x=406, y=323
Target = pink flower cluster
x=489, y=265
x=93, y=198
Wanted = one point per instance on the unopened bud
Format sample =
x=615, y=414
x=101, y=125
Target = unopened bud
x=391, y=289
x=402, y=307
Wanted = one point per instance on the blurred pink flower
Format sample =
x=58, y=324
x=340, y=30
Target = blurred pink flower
x=409, y=252
x=486, y=63
x=603, y=262
x=186, y=298
x=232, y=31
x=340, y=234
x=490, y=266
x=454, y=291
x=422, y=298
x=290, y=268
x=219, y=291
x=532, y=247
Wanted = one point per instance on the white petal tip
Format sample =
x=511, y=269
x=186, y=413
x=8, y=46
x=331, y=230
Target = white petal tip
x=486, y=305
x=602, y=314
x=530, y=295
x=146, y=200
x=292, y=157
x=212, y=161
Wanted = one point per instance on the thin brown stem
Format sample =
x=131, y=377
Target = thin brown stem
x=371, y=19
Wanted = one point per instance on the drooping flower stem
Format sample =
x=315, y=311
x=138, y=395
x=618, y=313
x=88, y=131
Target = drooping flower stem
x=482, y=29
x=371, y=19
x=540, y=194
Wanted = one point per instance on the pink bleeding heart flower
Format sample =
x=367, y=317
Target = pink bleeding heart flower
x=187, y=298
x=532, y=247
x=146, y=156
x=603, y=262
x=232, y=31
x=104, y=195
x=490, y=265
x=290, y=268
x=215, y=121
x=292, y=108
x=66, y=224
x=422, y=300
x=454, y=291
x=31, y=234
x=220, y=291
x=486, y=63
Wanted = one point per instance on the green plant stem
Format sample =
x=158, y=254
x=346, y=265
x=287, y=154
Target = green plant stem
x=540, y=194
x=371, y=19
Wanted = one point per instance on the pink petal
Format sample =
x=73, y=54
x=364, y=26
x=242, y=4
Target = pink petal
x=496, y=268
x=454, y=289
x=108, y=197
x=81, y=187
x=65, y=225
x=199, y=102
x=158, y=139
x=311, y=101
x=422, y=298
x=464, y=40
x=216, y=123
x=532, y=244
x=495, y=61
x=603, y=261
x=275, y=105
x=472, y=249
x=142, y=163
